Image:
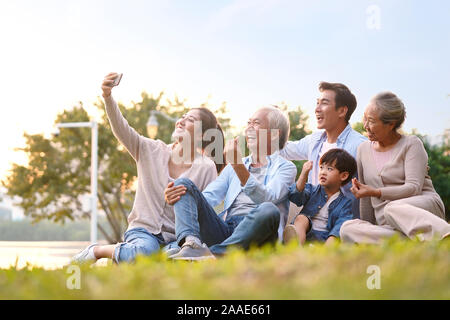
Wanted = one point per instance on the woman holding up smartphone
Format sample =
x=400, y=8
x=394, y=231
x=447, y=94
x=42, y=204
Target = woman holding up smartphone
x=151, y=223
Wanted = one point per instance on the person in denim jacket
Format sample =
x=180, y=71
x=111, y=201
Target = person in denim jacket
x=335, y=106
x=325, y=207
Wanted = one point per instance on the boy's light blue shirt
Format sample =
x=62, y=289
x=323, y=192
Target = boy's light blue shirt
x=280, y=175
x=309, y=148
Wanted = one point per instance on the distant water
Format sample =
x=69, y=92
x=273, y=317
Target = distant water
x=45, y=254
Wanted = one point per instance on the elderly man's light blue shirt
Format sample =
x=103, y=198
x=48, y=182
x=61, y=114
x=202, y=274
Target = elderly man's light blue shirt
x=309, y=148
x=280, y=175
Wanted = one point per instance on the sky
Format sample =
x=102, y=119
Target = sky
x=247, y=53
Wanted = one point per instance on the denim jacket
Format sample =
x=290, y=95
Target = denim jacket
x=309, y=148
x=313, y=198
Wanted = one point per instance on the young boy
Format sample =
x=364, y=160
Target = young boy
x=325, y=208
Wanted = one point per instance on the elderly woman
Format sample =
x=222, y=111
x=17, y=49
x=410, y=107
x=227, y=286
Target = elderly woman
x=151, y=223
x=397, y=195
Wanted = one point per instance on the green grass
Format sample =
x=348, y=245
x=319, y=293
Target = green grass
x=409, y=270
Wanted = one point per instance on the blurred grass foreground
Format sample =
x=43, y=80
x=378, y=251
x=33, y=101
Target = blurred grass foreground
x=397, y=269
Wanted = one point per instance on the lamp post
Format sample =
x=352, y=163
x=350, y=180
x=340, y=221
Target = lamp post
x=152, y=123
x=94, y=169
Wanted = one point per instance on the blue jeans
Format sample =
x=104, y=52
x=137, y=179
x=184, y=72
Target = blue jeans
x=311, y=234
x=316, y=235
x=194, y=216
x=138, y=241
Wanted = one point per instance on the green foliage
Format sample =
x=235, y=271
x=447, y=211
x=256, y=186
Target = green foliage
x=222, y=118
x=359, y=127
x=299, y=129
x=318, y=272
x=298, y=123
x=439, y=169
x=57, y=177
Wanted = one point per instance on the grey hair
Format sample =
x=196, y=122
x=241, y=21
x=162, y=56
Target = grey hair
x=390, y=108
x=278, y=120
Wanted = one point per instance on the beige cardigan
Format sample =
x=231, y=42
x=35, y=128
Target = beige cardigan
x=150, y=211
x=405, y=175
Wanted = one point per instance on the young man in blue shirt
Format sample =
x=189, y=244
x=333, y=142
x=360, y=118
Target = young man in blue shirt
x=335, y=105
x=325, y=208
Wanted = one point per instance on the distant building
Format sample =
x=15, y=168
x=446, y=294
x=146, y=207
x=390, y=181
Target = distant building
x=9, y=211
x=6, y=213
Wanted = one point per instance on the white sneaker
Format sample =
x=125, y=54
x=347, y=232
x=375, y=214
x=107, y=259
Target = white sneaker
x=290, y=234
x=85, y=256
x=192, y=251
x=172, y=251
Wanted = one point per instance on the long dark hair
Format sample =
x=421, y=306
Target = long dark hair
x=209, y=121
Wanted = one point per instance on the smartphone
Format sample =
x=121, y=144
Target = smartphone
x=117, y=80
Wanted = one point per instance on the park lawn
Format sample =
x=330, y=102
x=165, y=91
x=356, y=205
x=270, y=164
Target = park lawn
x=408, y=270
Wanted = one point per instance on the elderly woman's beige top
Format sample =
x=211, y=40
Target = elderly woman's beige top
x=150, y=210
x=404, y=176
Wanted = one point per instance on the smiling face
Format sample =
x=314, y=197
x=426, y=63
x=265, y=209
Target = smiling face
x=376, y=129
x=257, y=126
x=326, y=114
x=185, y=125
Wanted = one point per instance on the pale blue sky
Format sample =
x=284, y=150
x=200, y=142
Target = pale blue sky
x=247, y=53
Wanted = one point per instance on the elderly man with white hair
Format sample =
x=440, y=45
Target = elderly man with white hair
x=254, y=190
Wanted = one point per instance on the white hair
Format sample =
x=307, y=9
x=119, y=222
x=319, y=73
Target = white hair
x=278, y=120
x=390, y=108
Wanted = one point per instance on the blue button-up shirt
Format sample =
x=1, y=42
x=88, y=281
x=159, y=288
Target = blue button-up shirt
x=309, y=148
x=313, y=198
x=280, y=175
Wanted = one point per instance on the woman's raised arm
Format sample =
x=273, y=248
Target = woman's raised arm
x=127, y=136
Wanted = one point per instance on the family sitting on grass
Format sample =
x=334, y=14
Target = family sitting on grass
x=386, y=191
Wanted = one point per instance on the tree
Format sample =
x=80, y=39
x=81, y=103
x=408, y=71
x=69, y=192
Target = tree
x=298, y=123
x=298, y=129
x=221, y=115
x=57, y=177
x=359, y=127
x=439, y=167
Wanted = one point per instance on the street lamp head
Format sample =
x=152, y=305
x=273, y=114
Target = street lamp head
x=55, y=131
x=152, y=126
